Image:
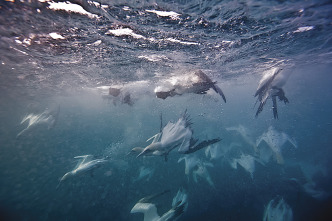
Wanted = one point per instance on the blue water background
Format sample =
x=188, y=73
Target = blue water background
x=66, y=73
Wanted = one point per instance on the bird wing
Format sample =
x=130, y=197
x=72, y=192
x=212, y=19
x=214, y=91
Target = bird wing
x=260, y=139
x=83, y=159
x=148, y=209
x=275, y=107
x=218, y=90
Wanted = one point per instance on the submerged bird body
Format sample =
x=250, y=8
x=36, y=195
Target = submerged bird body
x=83, y=166
x=275, y=140
x=179, y=206
x=174, y=135
x=270, y=86
x=278, y=210
x=171, y=136
x=47, y=117
x=197, y=83
x=245, y=135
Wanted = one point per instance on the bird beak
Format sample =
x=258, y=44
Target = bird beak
x=140, y=154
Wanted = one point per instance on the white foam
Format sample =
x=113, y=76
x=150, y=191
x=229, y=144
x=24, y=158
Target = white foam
x=55, y=35
x=124, y=32
x=70, y=7
x=303, y=29
x=171, y=14
x=181, y=42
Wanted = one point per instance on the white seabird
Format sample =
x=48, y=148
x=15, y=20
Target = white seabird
x=244, y=134
x=144, y=205
x=197, y=83
x=84, y=165
x=247, y=162
x=278, y=210
x=144, y=172
x=175, y=135
x=191, y=161
x=203, y=173
x=47, y=117
x=270, y=86
x=275, y=140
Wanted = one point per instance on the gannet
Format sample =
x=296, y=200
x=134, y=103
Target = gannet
x=144, y=172
x=214, y=152
x=244, y=134
x=144, y=205
x=191, y=161
x=247, y=162
x=275, y=140
x=278, y=210
x=197, y=83
x=84, y=165
x=270, y=86
x=203, y=173
x=47, y=117
x=175, y=135
x=309, y=185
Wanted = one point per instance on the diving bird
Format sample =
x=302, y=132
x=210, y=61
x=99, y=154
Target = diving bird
x=191, y=161
x=144, y=205
x=144, y=172
x=84, y=165
x=47, y=117
x=245, y=135
x=175, y=135
x=247, y=162
x=197, y=83
x=278, y=210
x=270, y=86
x=275, y=140
x=203, y=173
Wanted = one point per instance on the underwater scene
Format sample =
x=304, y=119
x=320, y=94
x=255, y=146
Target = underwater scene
x=166, y=110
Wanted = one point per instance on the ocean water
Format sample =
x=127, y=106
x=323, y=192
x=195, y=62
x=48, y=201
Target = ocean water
x=58, y=60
